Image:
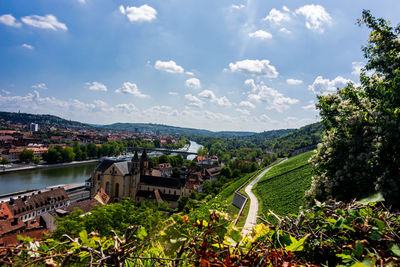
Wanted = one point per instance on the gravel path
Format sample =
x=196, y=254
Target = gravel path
x=251, y=219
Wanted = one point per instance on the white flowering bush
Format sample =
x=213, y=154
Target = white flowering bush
x=360, y=151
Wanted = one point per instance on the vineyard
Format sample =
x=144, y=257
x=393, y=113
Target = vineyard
x=282, y=188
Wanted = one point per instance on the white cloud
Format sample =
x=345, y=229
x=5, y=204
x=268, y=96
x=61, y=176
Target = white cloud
x=5, y=92
x=247, y=104
x=260, y=34
x=138, y=14
x=96, y=86
x=131, y=89
x=41, y=86
x=237, y=6
x=193, y=83
x=326, y=86
x=27, y=46
x=210, y=96
x=316, y=17
x=82, y=1
x=265, y=118
x=194, y=101
x=126, y=108
x=273, y=99
x=284, y=30
x=189, y=73
x=9, y=20
x=168, y=66
x=285, y=8
x=243, y=111
x=47, y=22
x=294, y=82
x=357, y=66
x=254, y=67
x=161, y=111
x=277, y=16
x=310, y=106
x=172, y=93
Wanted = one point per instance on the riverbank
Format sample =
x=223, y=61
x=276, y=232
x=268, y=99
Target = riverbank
x=45, y=166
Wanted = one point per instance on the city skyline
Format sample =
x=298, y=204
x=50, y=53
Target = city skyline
x=240, y=66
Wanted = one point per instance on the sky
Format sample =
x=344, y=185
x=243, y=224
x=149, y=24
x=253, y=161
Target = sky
x=219, y=65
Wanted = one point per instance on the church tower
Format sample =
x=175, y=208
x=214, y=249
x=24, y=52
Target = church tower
x=144, y=163
x=134, y=175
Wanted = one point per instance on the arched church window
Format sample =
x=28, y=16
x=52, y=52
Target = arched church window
x=117, y=190
x=108, y=188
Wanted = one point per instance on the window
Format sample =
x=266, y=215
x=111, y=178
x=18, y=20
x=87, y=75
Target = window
x=108, y=188
x=117, y=190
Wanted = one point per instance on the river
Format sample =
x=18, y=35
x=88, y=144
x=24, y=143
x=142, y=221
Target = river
x=41, y=178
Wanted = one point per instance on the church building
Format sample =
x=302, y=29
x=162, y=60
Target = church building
x=121, y=179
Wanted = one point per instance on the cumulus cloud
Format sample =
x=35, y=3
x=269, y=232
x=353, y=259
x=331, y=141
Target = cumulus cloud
x=5, y=92
x=161, y=111
x=237, y=6
x=9, y=20
x=294, y=82
x=126, y=108
x=273, y=99
x=284, y=30
x=172, y=93
x=326, y=86
x=247, y=104
x=316, y=17
x=131, y=89
x=265, y=118
x=194, y=101
x=168, y=66
x=357, y=66
x=139, y=14
x=27, y=46
x=243, y=111
x=254, y=67
x=40, y=86
x=49, y=21
x=278, y=17
x=96, y=86
x=310, y=106
x=193, y=83
x=189, y=73
x=210, y=96
x=260, y=34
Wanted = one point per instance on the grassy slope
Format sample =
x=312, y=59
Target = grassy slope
x=282, y=188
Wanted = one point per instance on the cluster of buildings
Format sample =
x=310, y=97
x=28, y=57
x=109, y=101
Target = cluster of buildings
x=39, y=139
x=32, y=213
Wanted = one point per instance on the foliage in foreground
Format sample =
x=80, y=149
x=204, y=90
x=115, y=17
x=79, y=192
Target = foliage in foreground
x=333, y=233
x=359, y=154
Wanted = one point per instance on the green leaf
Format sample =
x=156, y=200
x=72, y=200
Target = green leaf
x=395, y=249
x=83, y=236
x=374, y=236
x=297, y=245
x=358, y=250
x=381, y=225
x=142, y=233
x=339, y=223
x=377, y=197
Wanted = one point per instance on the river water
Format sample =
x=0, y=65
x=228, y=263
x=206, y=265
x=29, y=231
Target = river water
x=41, y=178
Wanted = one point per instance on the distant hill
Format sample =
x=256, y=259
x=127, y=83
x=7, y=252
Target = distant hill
x=46, y=119
x=166, y=129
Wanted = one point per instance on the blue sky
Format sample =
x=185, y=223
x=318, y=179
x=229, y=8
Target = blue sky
x=217, y=65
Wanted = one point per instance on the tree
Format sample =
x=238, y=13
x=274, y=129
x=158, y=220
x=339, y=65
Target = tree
x=227, y=172
x=26, y=155
x=4, y=161
x=359, y=154
x=68, y=154
x=36, y=159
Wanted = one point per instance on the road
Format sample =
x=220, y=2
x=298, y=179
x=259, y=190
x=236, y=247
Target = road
x=251, y=219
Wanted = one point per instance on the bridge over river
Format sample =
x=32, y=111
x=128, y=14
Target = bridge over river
x=165, y=151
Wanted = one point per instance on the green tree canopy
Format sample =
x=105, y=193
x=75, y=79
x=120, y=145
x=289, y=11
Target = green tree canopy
x=359, y=154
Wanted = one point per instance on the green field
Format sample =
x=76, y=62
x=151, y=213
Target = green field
x=282, y=188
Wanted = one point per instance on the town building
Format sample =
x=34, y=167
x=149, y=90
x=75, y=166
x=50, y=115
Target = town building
x=134, y=179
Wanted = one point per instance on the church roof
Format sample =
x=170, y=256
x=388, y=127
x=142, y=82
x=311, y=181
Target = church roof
x=122, y=166
x=104, y=165
x=160, y=181
x=135, y=157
